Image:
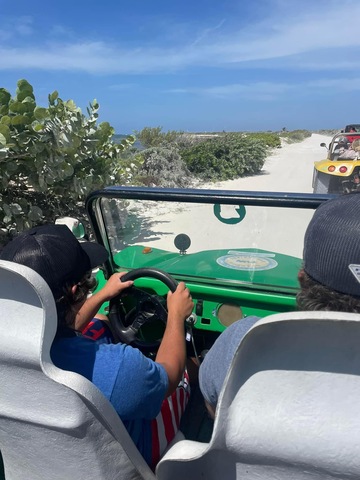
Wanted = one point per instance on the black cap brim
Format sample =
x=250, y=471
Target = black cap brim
x=97, y=253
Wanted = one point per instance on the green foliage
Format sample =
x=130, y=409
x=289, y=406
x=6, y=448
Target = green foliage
x=330, y=132
x=155, y=137
x=270, y=139
x=51, y=157
x=189, y=140
x=295, y=135
x=164, y=167
x=226, y=157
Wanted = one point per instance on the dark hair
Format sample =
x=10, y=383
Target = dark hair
x=315, y=296
x=67, y=304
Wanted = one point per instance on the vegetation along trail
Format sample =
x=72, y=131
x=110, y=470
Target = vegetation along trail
x=288, y=169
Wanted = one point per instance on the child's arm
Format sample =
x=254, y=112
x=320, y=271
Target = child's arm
x=114, y=286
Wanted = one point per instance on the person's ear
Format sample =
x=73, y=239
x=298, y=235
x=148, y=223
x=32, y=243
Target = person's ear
x=73, y=289
x=301, y=275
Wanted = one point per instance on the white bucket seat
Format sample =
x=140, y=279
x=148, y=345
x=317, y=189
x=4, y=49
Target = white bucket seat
x=54, y=424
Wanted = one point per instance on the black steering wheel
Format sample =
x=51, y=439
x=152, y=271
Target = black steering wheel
x=149, y=307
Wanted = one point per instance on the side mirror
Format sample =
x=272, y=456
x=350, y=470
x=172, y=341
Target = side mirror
x=74, y=225
x=323, y=144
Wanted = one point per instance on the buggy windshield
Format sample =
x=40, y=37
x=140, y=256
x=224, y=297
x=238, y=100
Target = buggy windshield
x=217, y=237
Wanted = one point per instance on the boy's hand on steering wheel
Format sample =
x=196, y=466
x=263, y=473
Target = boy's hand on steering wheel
x=114, y=286
x=179, y=303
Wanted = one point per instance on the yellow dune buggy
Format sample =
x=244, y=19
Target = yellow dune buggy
x=340, y=171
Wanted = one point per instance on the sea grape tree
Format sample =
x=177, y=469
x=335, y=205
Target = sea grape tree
x=51, y=157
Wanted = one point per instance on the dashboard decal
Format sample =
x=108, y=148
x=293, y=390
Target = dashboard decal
x=248, y=261
x=240, y=210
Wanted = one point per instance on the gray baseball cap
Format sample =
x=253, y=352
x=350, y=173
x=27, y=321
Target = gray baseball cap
x=332, y=244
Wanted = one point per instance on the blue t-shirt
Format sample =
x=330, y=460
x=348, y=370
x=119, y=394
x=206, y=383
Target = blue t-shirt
x=217, y=361
x=134, y=384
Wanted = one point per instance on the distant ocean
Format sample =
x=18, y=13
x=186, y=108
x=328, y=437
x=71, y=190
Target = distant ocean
x=118, y=137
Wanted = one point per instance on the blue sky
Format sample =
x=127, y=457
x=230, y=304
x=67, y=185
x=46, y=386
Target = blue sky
x=195, y=65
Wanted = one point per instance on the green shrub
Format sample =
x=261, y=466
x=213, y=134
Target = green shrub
x=271, y=140
x=226, y=157
x=295, y=135
x=330, y=132
x=164, y=167
x=52, y=157
x=155, y=137
x=189, y=140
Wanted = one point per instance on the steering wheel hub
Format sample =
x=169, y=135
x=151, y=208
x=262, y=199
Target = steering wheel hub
x=149, y=308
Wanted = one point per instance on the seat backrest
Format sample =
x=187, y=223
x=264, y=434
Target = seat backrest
x=289, y=409
x=54, y=424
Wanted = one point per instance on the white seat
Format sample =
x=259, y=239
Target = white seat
x=54, y=424
x=289, y=409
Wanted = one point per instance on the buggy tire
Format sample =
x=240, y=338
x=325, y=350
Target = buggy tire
x=321, y=182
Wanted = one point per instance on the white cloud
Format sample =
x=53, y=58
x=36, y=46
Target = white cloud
x=311, y=33
x=14, y=27
x=264, y=91
x=341, y=84
x=122, y=86
x=268, y=91
x=206, y=32
x=23, y=25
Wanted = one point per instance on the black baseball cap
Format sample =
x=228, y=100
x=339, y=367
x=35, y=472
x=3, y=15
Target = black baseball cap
x=54, y=253
x=332, y=244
